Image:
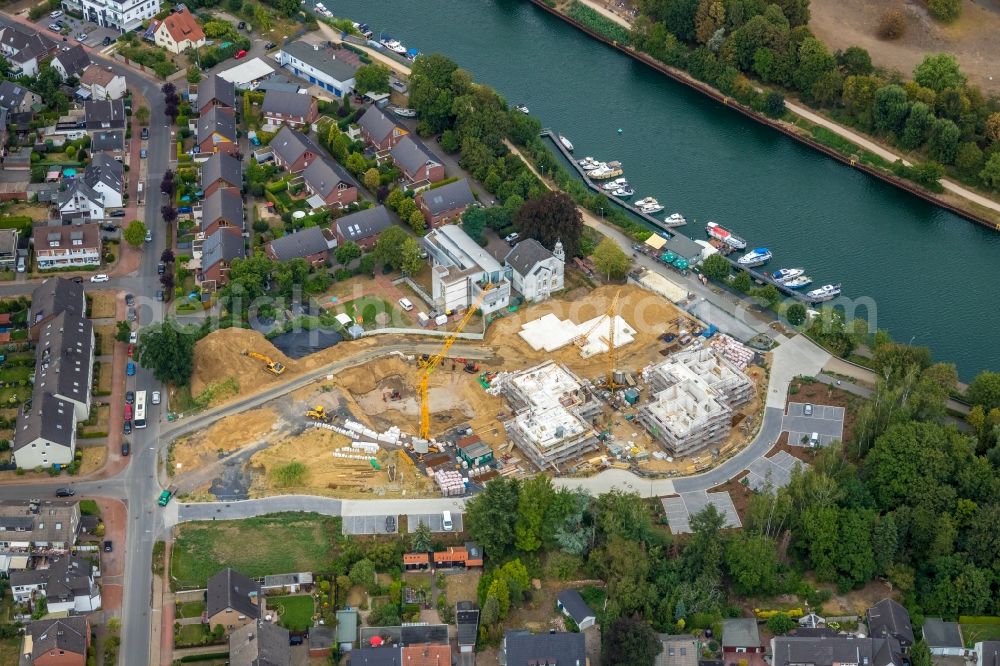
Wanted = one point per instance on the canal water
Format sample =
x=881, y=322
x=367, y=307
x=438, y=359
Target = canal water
x=929, y=273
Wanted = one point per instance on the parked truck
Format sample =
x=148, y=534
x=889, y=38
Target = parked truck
x=166, y=495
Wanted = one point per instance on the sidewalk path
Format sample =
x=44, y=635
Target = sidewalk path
x=840, y=130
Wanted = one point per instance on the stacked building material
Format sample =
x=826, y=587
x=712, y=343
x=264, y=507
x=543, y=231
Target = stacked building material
x=450, y=482
x=733, y=351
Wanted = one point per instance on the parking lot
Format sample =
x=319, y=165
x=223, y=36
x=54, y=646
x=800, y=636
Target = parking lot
x=369, y=525
x=826, y=421
x=434, y=521
x=776, y=471
x=680, y=509
x=95, y=34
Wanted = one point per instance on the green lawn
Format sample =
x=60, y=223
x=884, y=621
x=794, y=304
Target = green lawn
x=368, y=308
x=191, y=634
x=190, y=609
x=14, y=374
x=272, y=544
x=88, y=507
x=10, y=649
x=294, y=613
x=974, y=633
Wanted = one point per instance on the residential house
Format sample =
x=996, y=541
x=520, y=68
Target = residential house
x=467, y=626
x=68, y=245
x=445, y=204
x=416, y=561
x=741, y=641
x=943, y=638
x=57, y=642
x=330, y=68
x=378, y=130
x=321, y=640
x=8, y=248
x=67, y=585
x=215, y=91
x=469, y=556
x=71, y=62
x=48, y=527
x=376, y=656
x=677, y=650
x=219, y=250
x=523, y=648
x=293, y=150
x=575, y=608
x=217, y=131
x=223, y=209
x=106, y=176
x=537, y=273
x=233, y=600
x=53, y=296
x=363, y=227
x=221, y=170
x=279, y=82
x=121, y=15
x=888, y=618
x=259, y=643
x=460, y=268
x=45, y=433
x=426, y=655
x=24, y=47
x=825, y=647
x=79, y=201
x=309, y=243
x=288, y=108
x=987, y=653
x=111, y=142
x=64, y=361
x=15, y=98
x=420, y=167
x=102, y=83
x=104, y=115
x=329, y=184
x=179, y=32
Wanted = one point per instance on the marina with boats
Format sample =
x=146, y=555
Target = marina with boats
x=788, y=281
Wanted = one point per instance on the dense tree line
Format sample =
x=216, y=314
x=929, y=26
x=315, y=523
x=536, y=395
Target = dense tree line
x=723, y=42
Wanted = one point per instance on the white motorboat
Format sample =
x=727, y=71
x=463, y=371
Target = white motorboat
x=615, y=184
x=522, y=108
x=757, y=257
x=393, y=45
x=824, y=293
x=589, y=164
x=718, y=232
x=798, y=282
x=647, y=201
x=786, y=274
x=651, y=208
x=623, y=192
x=674, y=220
x=566, y=143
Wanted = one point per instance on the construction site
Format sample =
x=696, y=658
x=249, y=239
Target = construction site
x=613, y=377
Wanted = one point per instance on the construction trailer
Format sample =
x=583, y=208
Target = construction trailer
x=694, y=395
x=552, y=415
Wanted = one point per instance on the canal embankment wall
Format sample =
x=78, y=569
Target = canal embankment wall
x=683, y=77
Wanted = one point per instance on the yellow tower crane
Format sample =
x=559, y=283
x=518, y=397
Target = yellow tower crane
x=611, y=314
x=435, y=361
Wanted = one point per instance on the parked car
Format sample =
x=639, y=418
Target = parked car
x=159, y=295
x=65, y=492
x=241, y=53
x=22, y=266
x=115, y=213
x=107, y=41
x=155, y=398
x=131, y=314
x=149, y=236
x=142, y=154
x=82, y=37
x=294, y=640
x=127, y=429
x=131, y=351
x=128, y=412
x=808, y=409
x=56, y=14
x=129, y=300
x=133, y=337
x=269, y=46
x=55, y=27
x=161, y=268
x=511, y=238
x=100, y=277
x=129, y=397
x=126, y=448
x=108, y=547
x=144, y=134
x=406, y=304
x=130, y=369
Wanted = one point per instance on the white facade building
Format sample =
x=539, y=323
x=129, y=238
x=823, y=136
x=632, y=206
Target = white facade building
x=537, y=273
x=460, y=269
x=121, y=15
x=330, y=69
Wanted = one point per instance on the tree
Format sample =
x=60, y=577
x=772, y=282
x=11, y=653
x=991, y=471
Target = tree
x=892, y=24
x=939, y=71
x=943, y=142
x=372, y=78
x=193, y=75
x=945, y=10
x=814, y=61
x=474, y=221
x=796, y=314
x=969, y=159
x=774, y=104
x=388, y=247
x=168, y=213
x=920, y=654
x=679, y=16
x=985, y=390
x=498, y=590
x=363, y=573
x=610, y=260
x=367, y=264
x=990, y=175
x=167, y=256
x=703, y=554
x=993, y=127
x=742, y=282
x=891, y=107
x=355, y=163
x=630, y=641
x=752, y=562
x=780, y=624
x=918, y=126
x=168, y=351
x=768, y=295
x=123, y=332
x=346, y=253
x=855, y=61
x=488, y=516
x=372, y=179
x=550, y=218
x=416, y=220
x=716, y=268
x=515, y=575
x=534, y=502
x=709, y=17
x=135, y=233
x=420, y=542
x=142, y=115
x=411, y=259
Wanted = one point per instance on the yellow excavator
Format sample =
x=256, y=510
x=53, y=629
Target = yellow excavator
x=318, y=413
x=434, y=361
x=273, y=367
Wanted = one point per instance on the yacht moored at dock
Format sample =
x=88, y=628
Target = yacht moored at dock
x=786, y=274
x=824, y=293
x=798, y=282
x=623, y=192
x=615, y=184
x=607, y=170
x=522, y=108
x=719, y=232
x=756, y=257
x=566, y=143
x=674, y=220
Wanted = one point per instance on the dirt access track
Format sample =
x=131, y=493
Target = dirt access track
x=974, y=38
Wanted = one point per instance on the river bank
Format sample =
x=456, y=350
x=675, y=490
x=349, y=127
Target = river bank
x=969, y=205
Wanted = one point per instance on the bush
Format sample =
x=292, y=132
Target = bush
x=945, y=10
x=892, y=24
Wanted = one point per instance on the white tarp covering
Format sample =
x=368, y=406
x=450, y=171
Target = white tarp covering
x=551, y=333
x=598, y=339
x=663, y=286
x=247, y=73
x=344, y=319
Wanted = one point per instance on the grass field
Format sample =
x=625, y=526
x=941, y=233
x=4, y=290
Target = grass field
x=974, y=633
x=272, y=544
x=190, y=609
x=88, y=507
x=190, y=634
x=9, y=650
x=294, y=613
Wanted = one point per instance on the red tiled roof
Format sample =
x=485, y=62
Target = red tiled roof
x=453, y=554
x=427, y=655
x=182, y=25
x=416, y=558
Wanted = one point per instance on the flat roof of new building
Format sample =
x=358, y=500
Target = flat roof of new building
x=247, y=72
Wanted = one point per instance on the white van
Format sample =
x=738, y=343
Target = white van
x=446, y=521
x=814, y=440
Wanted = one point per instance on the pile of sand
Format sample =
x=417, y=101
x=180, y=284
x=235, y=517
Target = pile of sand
x=227, y=434
x=219, y=356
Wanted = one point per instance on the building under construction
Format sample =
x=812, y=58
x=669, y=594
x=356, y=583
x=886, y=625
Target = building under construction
x=552, y=414
x=694, y=395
